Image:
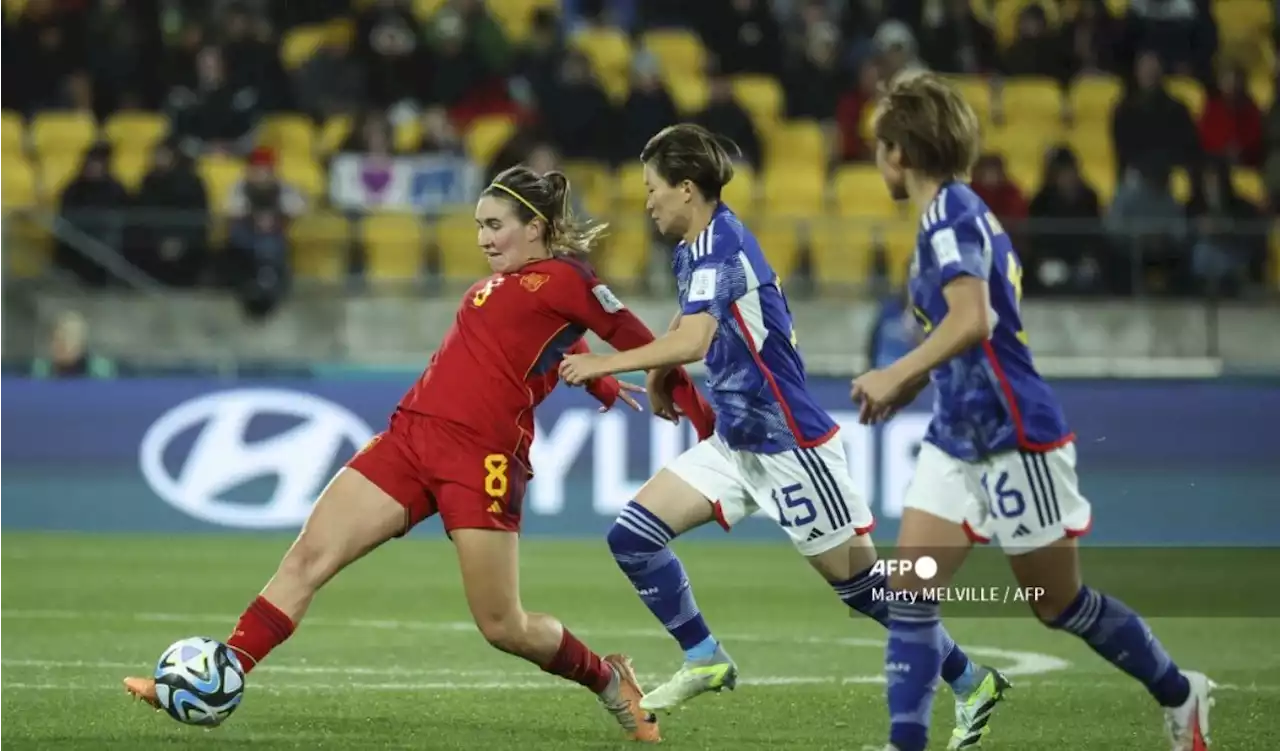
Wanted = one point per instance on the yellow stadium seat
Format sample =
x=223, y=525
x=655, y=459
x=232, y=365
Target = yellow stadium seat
x=11, y=129
x=289, y=135
x=1006, y=17
x=408, y=135
x=1025, y=144
x=63, y=133
x=679, y=52
x=136, y=131
x=1032, y=101
x=624, y=259
x=688, y=93
x=56, y=171
x=761, y=97
x=301, y=43
x=486, y=135
x=1094, y=97
x=898, y=240
x=1263, y=90
x=977, y=92
x=592, y=183
x=13, y=9
x=459, y=249
x=839, y=252
x=1180, y=185
x=1189, y=91
x=516, y=16
x=779, y=238
x=220, y=174
x=609, y=51
x=130, y=167
x=1101, y=176
x=1248, y=184
x=796, y=144
x=319, y=244
x=1117, y=8
x=393, y=247
x=305, y=175
x=423, y=10
x=334, y=133
x=1242, y=21
x=28, y=246
x=793, y=192
x=1026, y=174
x=740, y=193
x=19, y=183
x=629, y=191
x=860, y=191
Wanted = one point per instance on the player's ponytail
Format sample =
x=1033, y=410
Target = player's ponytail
x=546, y=198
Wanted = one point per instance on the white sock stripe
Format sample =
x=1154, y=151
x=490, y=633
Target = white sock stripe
x=631, y=525
x=639, y=519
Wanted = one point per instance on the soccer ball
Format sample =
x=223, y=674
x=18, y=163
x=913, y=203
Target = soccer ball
x=199, y=681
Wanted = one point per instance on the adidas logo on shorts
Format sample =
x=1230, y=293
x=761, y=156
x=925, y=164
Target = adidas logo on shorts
x=813, y=535
x=1021, y=531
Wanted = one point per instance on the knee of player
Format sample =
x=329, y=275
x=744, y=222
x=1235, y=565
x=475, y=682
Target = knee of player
x=503, y=630
x=637, y=535
x=1049, y=606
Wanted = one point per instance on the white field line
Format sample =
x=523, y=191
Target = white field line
x=1013, y=662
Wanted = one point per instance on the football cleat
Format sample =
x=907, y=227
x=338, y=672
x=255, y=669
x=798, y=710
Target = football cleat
x=694, y=678
x=623, y=699
x=142, y=689
x=973, y=710
x=1188, y=725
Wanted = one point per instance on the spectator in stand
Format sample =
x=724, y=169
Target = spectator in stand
x=581, y=120
x=460, y=77
x=1091, y=38
x=332, y=82
x=855, y=106
x=1065, y=251
x=619, y=13
x=538, y=61
x=122, y=77
x=954, y=40
x=49, y=52
x=389, y=45
x=214, y=117
x=1037, y=50
x=991, y=182
x=796, y=23
x=260, y=209
x=93, y=203
x=723, y=115
x=483, y=35
x=896, y=49
x=372, y=135
x=1180, y=32
x=743, y=35
x=1149, y=228
x=252, y=56
x=69, y=355
x=812, y=82
x=439, y=136
x=182, y=48
x=648, y=109
x=1231, y=123
x=1229, y=244
x=169, y=237
x=1149, y=127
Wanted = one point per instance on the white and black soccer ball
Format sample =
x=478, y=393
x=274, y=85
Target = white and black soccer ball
x=199, y=681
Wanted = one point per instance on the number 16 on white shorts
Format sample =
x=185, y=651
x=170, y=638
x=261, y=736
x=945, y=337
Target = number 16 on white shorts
x=808, y=491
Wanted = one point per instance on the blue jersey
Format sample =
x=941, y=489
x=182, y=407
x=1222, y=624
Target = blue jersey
x=989, y=399
x=754, y=373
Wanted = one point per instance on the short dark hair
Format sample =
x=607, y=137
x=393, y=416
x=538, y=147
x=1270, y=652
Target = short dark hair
x=931, y=122
x=691, y=152
x=546, y=197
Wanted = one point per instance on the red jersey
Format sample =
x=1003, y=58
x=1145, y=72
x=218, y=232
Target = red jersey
x=502, y=355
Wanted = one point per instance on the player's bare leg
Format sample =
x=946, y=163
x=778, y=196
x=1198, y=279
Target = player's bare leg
x=489, y=562
x=352, y=517
x=665, y=507
x=1119, y=636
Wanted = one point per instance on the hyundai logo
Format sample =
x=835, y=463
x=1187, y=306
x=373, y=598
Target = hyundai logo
x=223, y=454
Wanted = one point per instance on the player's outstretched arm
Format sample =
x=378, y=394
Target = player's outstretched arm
x=688, y=343
x=608, y=390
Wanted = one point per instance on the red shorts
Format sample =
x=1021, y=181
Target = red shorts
x=427, y=465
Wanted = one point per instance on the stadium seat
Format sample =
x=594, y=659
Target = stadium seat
x=301, y=43
x=136, y=131
x=516, y=16
x=56, y=170
x=761, y=97
x=898, y=240
x=19, y=182
x=1094, y=97
x=629, y=191
x=423, y=10
x=796, y=144
x=1242, y=22
x=1027, y=174
x=609, y=51
x=1032, y=101
x=624, y=259
x=319, y=243
x=592, y=183
x=408, y=135
x=393, y=247
x=779, y=237
x=305, y=175
x=486, y=135
x=63, y=133
x=288, y=134
x=1025, y=144
x=1101, y=176
x=679, y=52
x=130, y=166
x=1263, y=90
x=839, y=252
x=790, y=191
x=1248, y=184
x=688, y=93
x=11, y=130
x=1180, y=185
x=1273, y=260
x=28, y=246
x=458, y=249
x=977, y=92
x=1189, y=91
x=740, y=193
x=1006, y=17
x=860, y=192
x=220, y=174
x=333, y=133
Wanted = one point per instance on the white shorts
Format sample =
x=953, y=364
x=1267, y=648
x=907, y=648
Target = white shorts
x=1026, y=500
x=807, y=492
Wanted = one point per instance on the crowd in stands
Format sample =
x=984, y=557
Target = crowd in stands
x=1152, y=159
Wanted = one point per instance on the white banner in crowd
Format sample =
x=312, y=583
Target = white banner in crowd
x=415, y=183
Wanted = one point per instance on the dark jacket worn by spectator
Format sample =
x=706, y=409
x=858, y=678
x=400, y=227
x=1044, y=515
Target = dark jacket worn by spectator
x=581, y=120
x=1229, y=240
x=332, y=82
x=648, y=109
x=537, y=63
x=812, y=83
x=389, y=43
x=743, y=35
x=955, y=40
x=169, y=235
x=214, y=116
x=1066, y=251
x=1037, y=51
x=49, y=50
x=1149, y=127
x=261, y=207
x=94, y=204
x=252, y=57
x=724, y=116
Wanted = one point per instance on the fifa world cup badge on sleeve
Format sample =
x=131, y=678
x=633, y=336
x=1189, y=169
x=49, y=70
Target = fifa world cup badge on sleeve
x=608, y=300
x=702, y=285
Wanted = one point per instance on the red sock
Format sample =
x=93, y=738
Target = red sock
x=576, y=662
x=262, y=628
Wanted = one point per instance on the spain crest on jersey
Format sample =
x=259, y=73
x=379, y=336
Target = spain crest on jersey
x=533, y=281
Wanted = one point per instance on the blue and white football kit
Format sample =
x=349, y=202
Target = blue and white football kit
x=774, y=449
x=998, y=457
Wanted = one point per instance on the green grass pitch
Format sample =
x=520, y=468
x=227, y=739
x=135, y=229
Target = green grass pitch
x=388, y=659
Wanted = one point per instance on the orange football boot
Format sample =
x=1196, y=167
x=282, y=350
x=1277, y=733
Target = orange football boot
x=142, y=689
x=623, y=702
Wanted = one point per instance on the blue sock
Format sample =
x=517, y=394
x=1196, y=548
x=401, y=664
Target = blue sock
x=860, y=594
x=1123, y=639
x=639, y=540
x=912, y=661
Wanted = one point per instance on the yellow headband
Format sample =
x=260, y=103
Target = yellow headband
x=521, y=199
